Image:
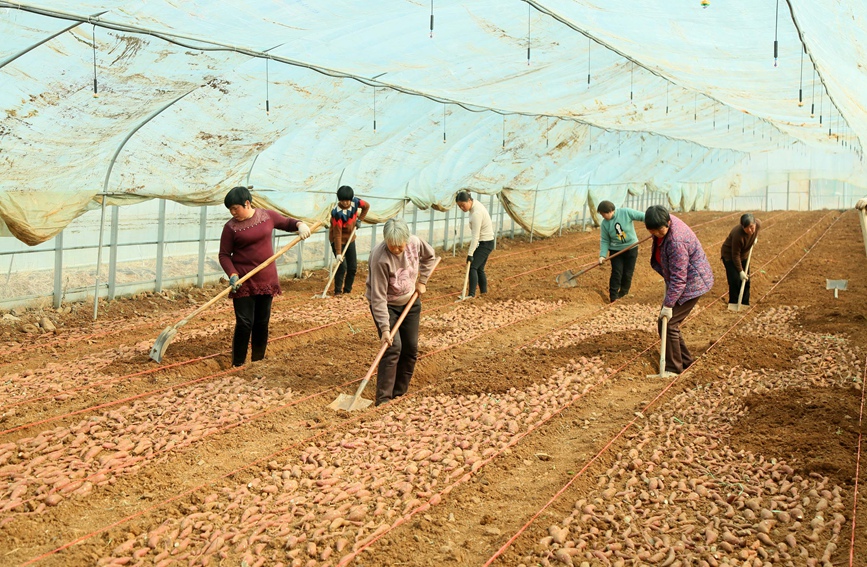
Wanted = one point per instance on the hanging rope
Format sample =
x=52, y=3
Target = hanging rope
x=95, y=90
x=667, y=85
x=431, y=19
x=801, y=84
x=776, y=30
x=529, y=13
x=444, y=123
x=821, y=104
x=374, y=110
x=813, y=95
x=589, y=45
x=267, y=88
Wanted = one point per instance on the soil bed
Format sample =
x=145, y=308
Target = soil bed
x=749, y=456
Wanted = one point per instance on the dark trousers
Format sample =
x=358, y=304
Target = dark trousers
x=677, y=356
x=477, y=268
x=622, y=268
x=398, y=363
x=346, y=269
x=252, y=315
x=734, y=278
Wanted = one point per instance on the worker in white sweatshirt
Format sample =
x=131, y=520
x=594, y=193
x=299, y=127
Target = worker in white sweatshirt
x=481, y=243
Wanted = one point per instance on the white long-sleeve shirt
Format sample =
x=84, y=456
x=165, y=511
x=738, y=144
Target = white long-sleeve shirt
x=481, y=227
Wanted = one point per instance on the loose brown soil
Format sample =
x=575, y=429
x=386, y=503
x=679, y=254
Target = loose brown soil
x=814, y=430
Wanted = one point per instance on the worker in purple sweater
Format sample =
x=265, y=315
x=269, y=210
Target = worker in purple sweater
x=678, y=257
x=244, y=244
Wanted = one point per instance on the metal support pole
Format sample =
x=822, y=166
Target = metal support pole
x=491, y=208
x=58, y=270
x=562, y=206
x=161, y=245
x=203, y=234
x=430, y=234
x=455, y=231
x=502, y=213
x=112, y=255
x=415, y=219
x=533, y=219
x=513, y=227
x=111, y=163
x=463, y=222
x=372, y=238
x=299, y=265
x=809, y=194
x=99, y=258
x=788, y=182
x=446, y=232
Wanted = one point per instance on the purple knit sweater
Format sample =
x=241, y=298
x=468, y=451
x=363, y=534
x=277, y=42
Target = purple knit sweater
x=246, y=244
x=682, y=264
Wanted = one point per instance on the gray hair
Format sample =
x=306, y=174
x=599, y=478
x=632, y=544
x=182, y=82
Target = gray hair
x=747, y=219
x=395, y=232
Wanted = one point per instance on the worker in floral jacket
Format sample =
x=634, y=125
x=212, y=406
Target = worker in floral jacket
x=678, y=257
x=348, y=213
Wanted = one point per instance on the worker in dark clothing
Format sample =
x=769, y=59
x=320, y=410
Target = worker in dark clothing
x=735, y=251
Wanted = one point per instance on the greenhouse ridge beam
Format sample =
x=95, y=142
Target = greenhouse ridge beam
x=179, y=39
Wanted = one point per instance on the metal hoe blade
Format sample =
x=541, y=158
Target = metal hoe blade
x=567, y=279
x=162, y=342
x=346, y=402
x=837, y=285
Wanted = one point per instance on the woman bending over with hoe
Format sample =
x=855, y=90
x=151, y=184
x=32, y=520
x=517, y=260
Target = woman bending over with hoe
x=679, y=258
x=398, y=267
x=616, y=233
x=734, y=253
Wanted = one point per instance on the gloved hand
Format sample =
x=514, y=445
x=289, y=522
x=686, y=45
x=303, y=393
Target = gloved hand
x=601, y=259
x=665, y=312
x=469, y=259
x=339, y=257
x=233, y=281
x=303, y=231
x=744, y=276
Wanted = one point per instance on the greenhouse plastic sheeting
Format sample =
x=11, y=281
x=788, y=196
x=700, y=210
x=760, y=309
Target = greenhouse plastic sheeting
x=511, y=97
